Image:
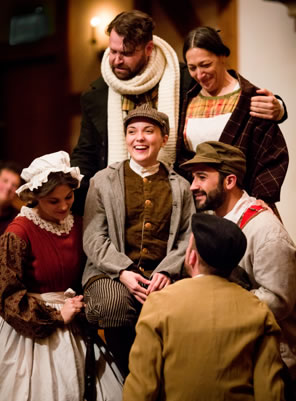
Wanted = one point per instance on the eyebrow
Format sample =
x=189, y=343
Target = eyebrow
x=149, y=125
x=200, y=172
x=199, y=63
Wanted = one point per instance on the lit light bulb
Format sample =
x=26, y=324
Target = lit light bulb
x=94, y=22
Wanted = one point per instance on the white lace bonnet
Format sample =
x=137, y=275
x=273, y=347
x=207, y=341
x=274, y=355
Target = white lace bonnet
x=37, y=173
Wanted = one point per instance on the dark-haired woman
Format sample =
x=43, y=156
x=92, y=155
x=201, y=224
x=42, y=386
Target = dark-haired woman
x=41, y=261
x=217, y=108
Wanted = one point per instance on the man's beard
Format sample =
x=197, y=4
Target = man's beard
x=214, y=199
x=128, y=73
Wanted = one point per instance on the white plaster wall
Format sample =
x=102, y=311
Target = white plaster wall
x=267, y=58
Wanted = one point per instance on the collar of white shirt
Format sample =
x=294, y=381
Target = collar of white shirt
x=239, y=208
x=144, y=171
x=198, y=275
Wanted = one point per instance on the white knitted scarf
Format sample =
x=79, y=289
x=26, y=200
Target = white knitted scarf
x=162, y=68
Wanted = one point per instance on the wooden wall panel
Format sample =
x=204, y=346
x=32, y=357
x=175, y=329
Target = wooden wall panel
x=34, y=112
x=227, y=16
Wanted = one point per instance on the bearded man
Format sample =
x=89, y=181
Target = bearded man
x=137, y=67
x=218, y=171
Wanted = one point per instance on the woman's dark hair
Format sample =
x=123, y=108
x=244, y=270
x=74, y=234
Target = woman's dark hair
x=54, y=179
x=135, y=26
x=205, y=37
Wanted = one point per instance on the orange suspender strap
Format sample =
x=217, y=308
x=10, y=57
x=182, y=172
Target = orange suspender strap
x=251, y=212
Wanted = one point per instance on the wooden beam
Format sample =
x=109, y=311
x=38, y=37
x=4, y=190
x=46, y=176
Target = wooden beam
x=227, y=21
x=183, y=18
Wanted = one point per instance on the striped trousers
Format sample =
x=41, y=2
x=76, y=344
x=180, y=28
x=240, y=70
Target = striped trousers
x=110, y=304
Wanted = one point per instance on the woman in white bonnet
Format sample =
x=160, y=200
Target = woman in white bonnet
x=42, y=353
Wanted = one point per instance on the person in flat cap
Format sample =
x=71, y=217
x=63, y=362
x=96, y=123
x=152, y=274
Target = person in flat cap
x=136, y=230
x=41, y=307
x=218, y=172
x=139, y=67
x=210, y=339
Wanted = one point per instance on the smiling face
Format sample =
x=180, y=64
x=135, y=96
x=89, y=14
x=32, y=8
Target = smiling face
x=207, y=69
x=56, y=205
x=207, y=188
x=144, y=140
x=127, y=63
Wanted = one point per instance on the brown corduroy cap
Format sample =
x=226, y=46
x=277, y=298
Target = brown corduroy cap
x=146, y=111
x=225, y=158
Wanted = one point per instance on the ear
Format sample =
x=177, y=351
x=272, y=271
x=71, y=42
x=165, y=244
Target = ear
x=189, y=263
x=165, y=138
x=189, y=257
x=192, y=257
x=222, y=59
x=148, y=48
x=230, y=181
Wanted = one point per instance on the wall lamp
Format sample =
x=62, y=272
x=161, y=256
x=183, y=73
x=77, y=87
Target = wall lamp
x=94, y=22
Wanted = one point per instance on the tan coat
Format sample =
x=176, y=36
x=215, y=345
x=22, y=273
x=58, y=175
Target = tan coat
x=205, y=339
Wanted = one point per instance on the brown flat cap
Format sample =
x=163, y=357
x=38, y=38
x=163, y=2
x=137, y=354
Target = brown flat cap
x=225, y=158
x=146, y=111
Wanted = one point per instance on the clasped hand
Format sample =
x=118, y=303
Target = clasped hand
x=141, y=287
x=72, y=307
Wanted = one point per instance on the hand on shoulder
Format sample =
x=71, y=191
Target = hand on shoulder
x=266, y=106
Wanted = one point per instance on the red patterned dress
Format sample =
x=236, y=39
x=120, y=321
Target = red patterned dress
x=41, y=358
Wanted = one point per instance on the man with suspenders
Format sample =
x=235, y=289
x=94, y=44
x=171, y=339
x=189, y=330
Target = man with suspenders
x=218, y=171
